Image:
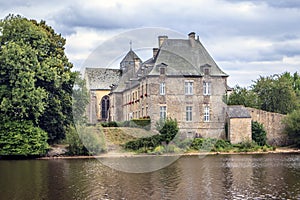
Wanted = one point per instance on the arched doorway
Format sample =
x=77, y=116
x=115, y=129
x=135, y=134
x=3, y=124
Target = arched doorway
x=104, y=108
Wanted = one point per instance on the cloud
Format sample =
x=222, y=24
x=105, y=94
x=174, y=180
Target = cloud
x=241, y=35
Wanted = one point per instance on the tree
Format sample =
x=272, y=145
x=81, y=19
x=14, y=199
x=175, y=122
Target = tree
x=292, y=126
x=243, y=96
x=35, y=77
x=276, y=93
x=22, y=138
x=259, y=135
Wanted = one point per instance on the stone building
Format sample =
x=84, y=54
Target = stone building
x=99, y=82
x=239, y=124
x=181, y=80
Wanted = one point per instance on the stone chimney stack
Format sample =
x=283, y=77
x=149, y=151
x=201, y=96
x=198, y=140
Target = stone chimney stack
x=161, y=39
x=137, y=63
x=192, y=38
x=192, y=35
x=155, y=51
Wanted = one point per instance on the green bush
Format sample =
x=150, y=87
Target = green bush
x=259, y=134
x=167, y=134
x=292, y=126
x=22, y=138
x=85, y=141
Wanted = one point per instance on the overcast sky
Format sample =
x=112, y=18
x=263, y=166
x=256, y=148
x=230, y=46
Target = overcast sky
x=246, y=38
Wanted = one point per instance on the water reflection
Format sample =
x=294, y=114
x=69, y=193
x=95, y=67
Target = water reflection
x=212, y=177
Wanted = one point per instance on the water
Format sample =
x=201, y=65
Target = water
x=269, y=176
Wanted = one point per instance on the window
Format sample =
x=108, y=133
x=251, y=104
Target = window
x=188, y=87
x=104, y=107
x=206, y=114
x=189, y=113
x=163, y=112
x=162, y=70
x=206, y=71
x=162, y=89
x=206, y=88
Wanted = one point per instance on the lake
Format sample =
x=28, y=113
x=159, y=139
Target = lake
x=265, y=176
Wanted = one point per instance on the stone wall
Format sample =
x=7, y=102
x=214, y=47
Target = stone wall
x=273, y=126
x=239, y=130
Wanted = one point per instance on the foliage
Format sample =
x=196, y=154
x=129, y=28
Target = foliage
x=292, y=126
x=35, y=77
x=22, y=138
x=216, y=145
x=80, y=97
x=109, y=124
x=167, y=133
x=143, y=123
x=276, y=93
x=259, y=134
x=243, y=96
x=85, y=141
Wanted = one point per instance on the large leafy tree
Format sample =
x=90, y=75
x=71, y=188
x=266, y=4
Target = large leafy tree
x=276, y=93
x=35, y=76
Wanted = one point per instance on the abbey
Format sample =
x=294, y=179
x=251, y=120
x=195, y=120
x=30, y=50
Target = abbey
x=180, y=80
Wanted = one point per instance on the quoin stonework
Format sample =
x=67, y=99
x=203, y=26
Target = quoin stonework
x=181, y=80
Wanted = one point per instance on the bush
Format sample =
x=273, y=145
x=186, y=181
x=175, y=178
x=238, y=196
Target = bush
x=167, y=134
x=22, y=138
x=87, y=141
x=259, y=134
x=292, y=126
x=109, y=124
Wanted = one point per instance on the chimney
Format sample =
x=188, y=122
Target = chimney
x=155, y=51
x=161, y=39
x=137, y=62
x=192, y=35
x=192, y=38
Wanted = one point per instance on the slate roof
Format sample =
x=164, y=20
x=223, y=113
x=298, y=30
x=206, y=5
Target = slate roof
x=238, y=111
x=185, y=57
x=101, y=78
x=130, y=56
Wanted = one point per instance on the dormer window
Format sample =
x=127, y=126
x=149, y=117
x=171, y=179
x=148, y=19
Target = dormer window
x=206, y=69
x=162, y=68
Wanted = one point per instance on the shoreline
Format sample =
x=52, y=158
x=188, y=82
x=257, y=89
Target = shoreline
x=134, y=155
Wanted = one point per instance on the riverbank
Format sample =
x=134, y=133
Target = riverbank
x=279, y=150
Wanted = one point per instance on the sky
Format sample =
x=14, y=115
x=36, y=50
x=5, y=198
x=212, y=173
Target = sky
x=246, y=38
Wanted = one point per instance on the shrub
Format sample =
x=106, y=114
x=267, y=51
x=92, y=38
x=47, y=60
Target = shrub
x=259, y=134
x=22, y=138
x=109, y=124
x=87, y=141
x=159, y=150
x=292, y=126
x=167, y=134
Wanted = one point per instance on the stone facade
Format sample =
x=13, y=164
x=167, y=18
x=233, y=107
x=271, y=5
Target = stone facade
x=239, y=130
x=99, y=82
x=180, y=81
x=239, y=124
x=273, y=126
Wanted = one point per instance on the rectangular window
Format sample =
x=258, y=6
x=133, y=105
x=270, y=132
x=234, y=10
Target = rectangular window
x=162, y=89
x=206, y=114
x=163, y=112
x=206, y=88
x=162, y=70
x=188, y=87
x=189, y=113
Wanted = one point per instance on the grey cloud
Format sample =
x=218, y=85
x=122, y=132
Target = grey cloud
x=273, y=3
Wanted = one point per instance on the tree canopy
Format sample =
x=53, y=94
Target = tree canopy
x=276, y=93
x=36, y=80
